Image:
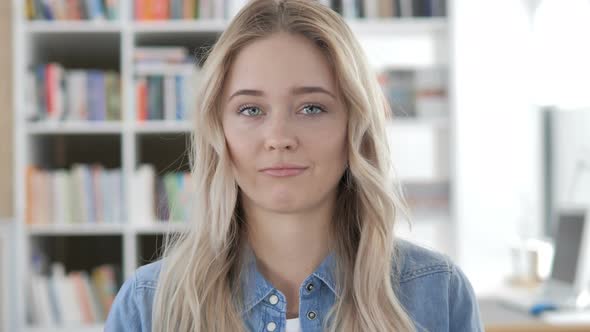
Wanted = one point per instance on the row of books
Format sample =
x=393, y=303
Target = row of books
x=416, y=93
x=165, y=80
x=423, y=197
x=186, y=9
x=372, y=9
x=87, y=193
x=164, y=97
x=146, y=10
x=72, y=9
x=225, y=9
x=57, y=94
x=161, y=197
x=73, y=299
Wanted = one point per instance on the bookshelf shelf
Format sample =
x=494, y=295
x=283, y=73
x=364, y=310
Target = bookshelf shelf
x=75, y=128
x=92, y=27
x=92, y=328
x=159, y=228
x=410, y=25
x=81, y=229
x=163, y=127
x=127, y=144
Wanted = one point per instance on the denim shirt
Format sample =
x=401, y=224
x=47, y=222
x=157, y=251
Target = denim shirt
x=434, y=291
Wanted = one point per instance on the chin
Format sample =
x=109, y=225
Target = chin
x=285, y=205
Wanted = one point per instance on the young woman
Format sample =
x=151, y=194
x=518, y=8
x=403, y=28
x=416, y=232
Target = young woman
x=295, y=197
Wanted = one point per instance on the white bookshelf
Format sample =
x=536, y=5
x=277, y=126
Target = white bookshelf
x=418, y=43
x=5, y=273
x=50, y=27
x=91, y=328
x=74, y=128
x=74, y=230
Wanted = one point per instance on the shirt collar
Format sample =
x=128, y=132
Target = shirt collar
x=256, y=287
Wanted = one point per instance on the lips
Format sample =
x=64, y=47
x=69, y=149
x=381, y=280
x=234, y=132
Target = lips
x=284, y=170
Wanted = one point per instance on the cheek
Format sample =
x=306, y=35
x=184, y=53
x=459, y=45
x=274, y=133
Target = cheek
x=330, y=144
x=236, y=145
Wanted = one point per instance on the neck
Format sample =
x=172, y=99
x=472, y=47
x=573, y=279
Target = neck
x=289, y=247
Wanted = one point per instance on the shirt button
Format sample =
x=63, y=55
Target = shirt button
x=271, y=326
x=273, y=299
x=309, y=287
x=311, y=315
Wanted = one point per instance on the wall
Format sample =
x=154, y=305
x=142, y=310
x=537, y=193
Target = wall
x=497, y=138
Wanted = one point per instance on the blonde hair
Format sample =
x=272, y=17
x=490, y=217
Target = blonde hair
x=199, y=283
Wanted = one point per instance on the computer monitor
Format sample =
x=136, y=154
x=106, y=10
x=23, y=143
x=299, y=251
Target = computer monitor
x=571, y=267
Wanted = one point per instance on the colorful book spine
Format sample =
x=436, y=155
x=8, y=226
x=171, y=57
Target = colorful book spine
x=51, y=10
x=141, y=99
x=180, y=96
x=76, y=298
x=155, y=97
x=165, y=78
x=167, y=197
x=146, y=10
x=84, y=194
x=74, y=95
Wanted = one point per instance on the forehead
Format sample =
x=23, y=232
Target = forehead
x=278, y=62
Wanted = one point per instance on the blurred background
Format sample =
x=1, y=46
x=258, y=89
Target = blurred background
x=490, y=138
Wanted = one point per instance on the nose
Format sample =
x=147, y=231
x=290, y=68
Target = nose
x=280, y=135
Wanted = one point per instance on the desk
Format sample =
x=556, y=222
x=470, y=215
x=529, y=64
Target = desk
x=498, y=318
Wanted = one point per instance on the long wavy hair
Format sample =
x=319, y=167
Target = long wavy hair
x=199, y=283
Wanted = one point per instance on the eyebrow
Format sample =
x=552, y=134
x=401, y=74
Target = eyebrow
x=295, y=91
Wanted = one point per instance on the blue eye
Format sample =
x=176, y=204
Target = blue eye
x=313, y=109
x=249, y=110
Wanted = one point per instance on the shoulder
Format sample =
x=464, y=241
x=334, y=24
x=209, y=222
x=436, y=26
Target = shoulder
x=434, y=290
x=131, y=308
x=146, y=276
x=413, y=261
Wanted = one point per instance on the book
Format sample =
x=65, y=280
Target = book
x=87, y=193
x=406, y=8
x=385, y=9
x=431, y=95
x=145, y=10
x=163, y=80
x=161, y=200
x=112, y=96
x=103, y=278
x=141, y=93
x=163, y=197
x=429, y=8
x=72, y=299
x=155, y=88
x=82, y=297
x=176, y=8
x=61, y=95
x=416, y=93
x=171, y=186
x=190, y=9
x=398, y=87
x=180, y=94
x=159, y=9
x=61, y=197
x=51, y=10
x=170, y=98
x=160, y=54
x=143, y=181
x=40, y=309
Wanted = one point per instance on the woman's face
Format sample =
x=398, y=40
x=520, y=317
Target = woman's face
x=285, y=124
